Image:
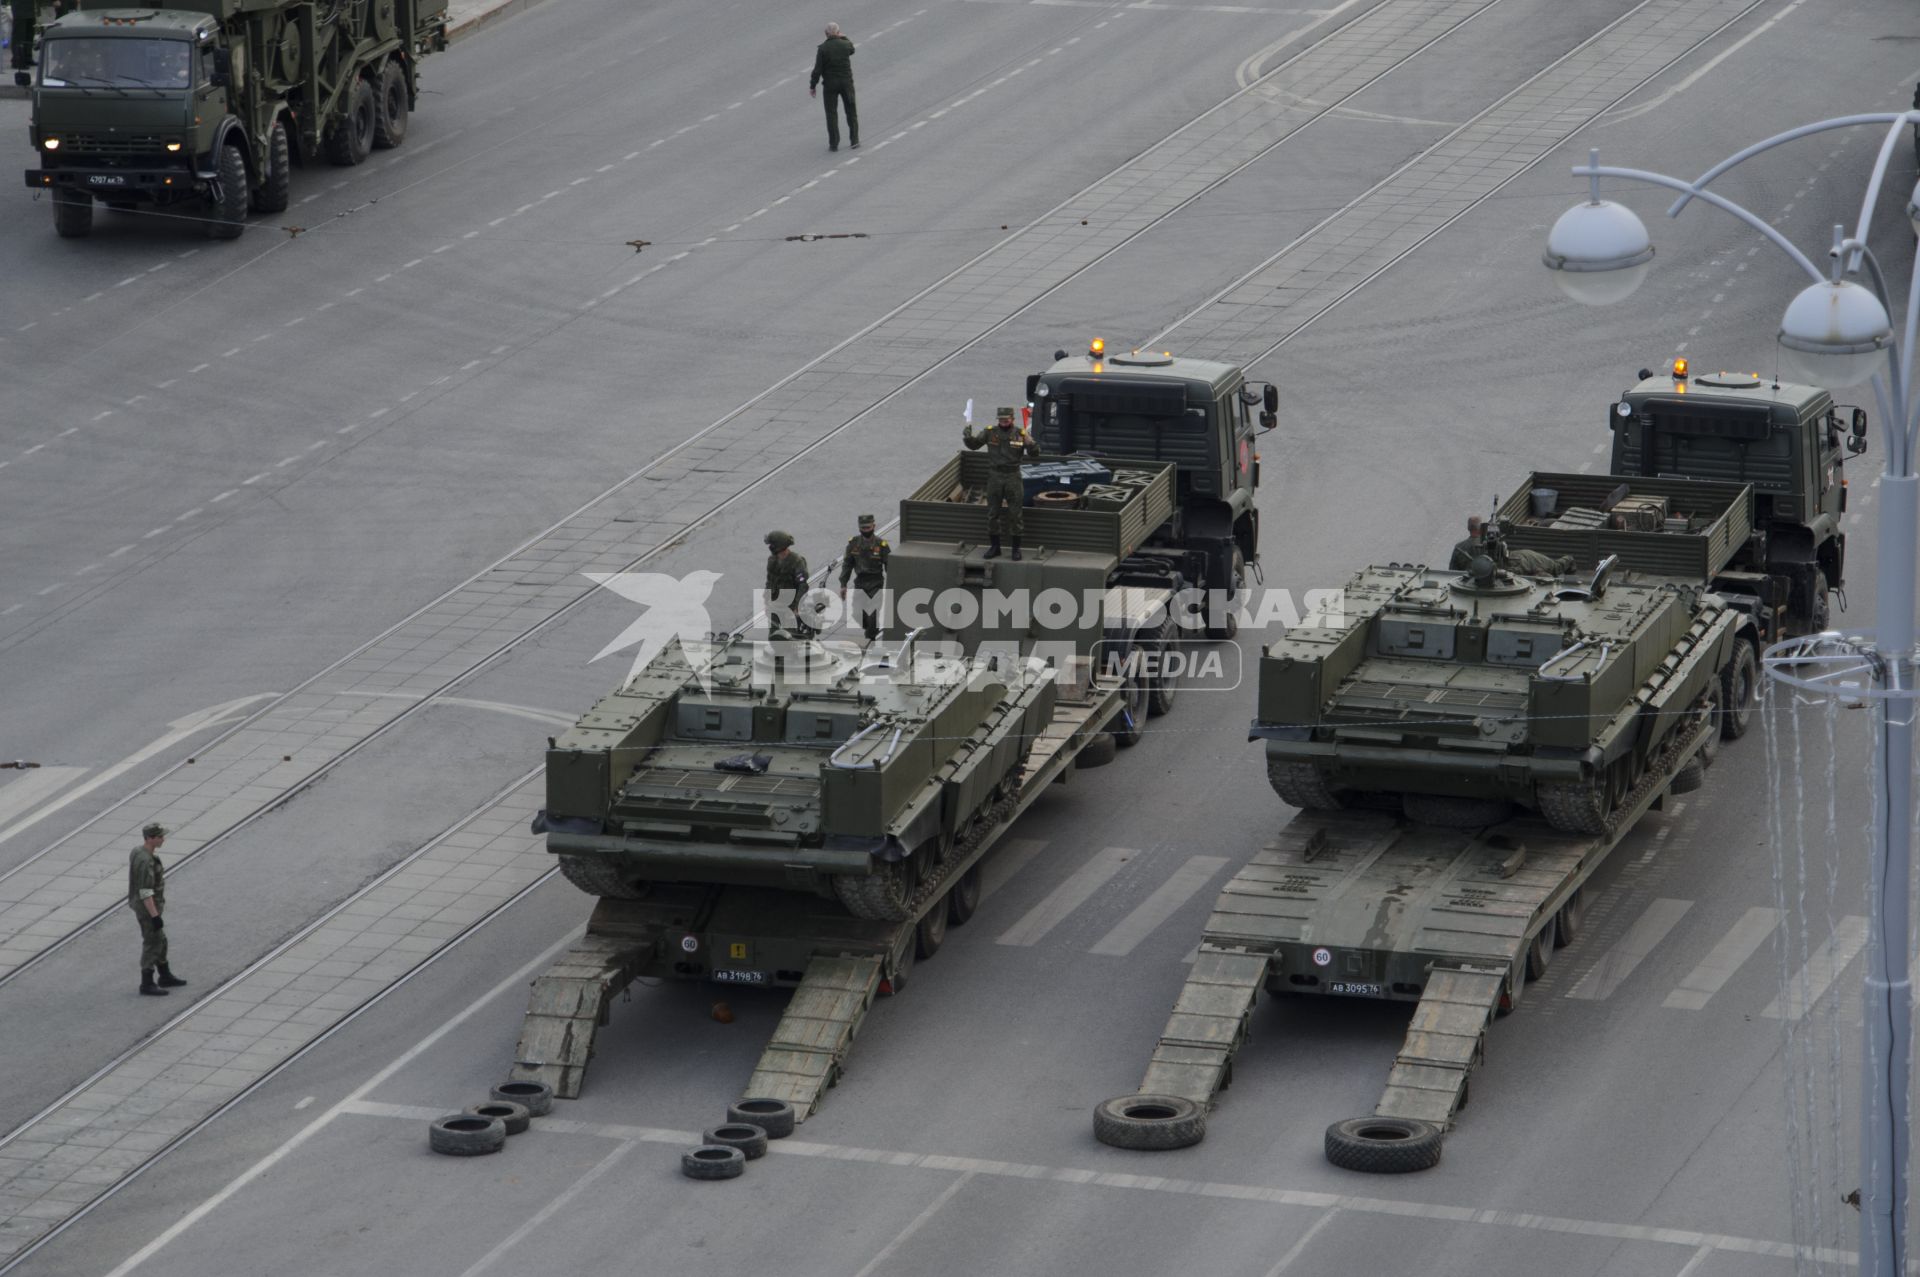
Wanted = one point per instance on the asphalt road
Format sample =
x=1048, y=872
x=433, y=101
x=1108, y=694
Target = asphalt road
x=228, y=466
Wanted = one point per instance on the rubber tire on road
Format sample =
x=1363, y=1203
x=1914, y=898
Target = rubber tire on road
x=748, y=1138
x=72, y=213
x=390, y=107
x=1384, y=1145
x=1149, y=1123
x=464, y=1135
x=1451, y=811
x=1738, y=685
x=931, y=931
x=964, y=900
x=775, y=1117
x=350, y=140
x=535, y=1097
x=230, y=213
x=512, y=1116
x=1691, y=776
x=276, y=186
x=713, y=1161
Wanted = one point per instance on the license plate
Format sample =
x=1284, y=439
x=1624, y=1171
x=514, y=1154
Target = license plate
x=106, y=179
x=1358, y=990
x=727, y=975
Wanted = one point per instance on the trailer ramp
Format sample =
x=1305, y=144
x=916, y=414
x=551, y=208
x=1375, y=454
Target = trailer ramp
x=1446, y=1040
x=568, y=1005
x=1194, y=1057
x=804, y=1057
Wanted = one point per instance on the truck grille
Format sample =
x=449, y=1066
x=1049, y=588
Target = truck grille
x=111, y=144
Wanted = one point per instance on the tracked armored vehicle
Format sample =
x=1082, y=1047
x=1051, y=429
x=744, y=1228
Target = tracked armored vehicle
x=846, y=776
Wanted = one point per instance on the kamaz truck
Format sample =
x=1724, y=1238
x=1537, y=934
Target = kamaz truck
x=203, y=111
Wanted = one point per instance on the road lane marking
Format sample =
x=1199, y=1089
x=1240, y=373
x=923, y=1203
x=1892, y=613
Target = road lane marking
x=552, y=1208
x=1185, y=883
x=1068, y=896
x=1718, y=966
x=1306, y=1239
x=1617, y=963
x=33, y=787
x=918, y=1222
x=1812, y=981
x=1006, y=860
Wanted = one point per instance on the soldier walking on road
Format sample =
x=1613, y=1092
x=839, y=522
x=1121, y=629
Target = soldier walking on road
x=786, y=586
x=147, y=897
x=24, y=16
x=1006, y=446
x=833, y=67
x=866, y=563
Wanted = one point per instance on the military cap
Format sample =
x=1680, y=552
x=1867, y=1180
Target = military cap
x=154, y=831
x=778, y=540
x=867, y=518
x=1005, y=412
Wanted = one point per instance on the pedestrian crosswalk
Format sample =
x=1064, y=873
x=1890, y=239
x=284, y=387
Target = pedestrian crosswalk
x=1641, y=945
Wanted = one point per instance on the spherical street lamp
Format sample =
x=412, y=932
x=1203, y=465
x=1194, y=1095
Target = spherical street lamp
x=1835, y=334
x=1599, y=252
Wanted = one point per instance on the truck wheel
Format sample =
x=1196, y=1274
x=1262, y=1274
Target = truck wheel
x=1737, y=691
x=775, y=1117
x=390, y=117
x=1691, y=776
x=72, y=213
x=1710, y=746
x=276, y=185
x=964, y=900
x=1229, y=625
x=1160, y=691
x=1131, y=722
x=466, y=1135
x=713, y=1161
x=1820, y=615
x=1384, y=1145
x=230, y=209
x=1149, y=1123
x=1540, y=950
x=931, y=931
x=350, y=140
x=1571, y=916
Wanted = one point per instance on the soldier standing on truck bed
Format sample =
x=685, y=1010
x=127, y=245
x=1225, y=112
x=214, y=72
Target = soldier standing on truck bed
x=1006, y=446
x=866, y=563
x=833, y=66
x=1525, y=562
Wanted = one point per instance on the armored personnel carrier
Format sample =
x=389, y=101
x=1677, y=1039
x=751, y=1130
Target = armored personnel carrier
x=850, y=776
x=1457, y=694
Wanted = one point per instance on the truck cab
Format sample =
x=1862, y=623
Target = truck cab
x=1790, y=442
x=1202, y=416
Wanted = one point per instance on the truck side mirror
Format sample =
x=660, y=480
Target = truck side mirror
x=1268, y=420
x=1033, y=383
x=1857, y=442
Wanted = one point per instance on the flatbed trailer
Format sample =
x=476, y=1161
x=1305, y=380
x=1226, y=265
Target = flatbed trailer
x=1460, y=920
x=836, y=964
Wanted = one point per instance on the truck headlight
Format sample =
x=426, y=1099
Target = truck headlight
x=173, y=146
x=52, y=143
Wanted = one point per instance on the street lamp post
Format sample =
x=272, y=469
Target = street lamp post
x=1836, y=331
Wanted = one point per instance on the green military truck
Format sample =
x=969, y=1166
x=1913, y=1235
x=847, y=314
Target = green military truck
x=206, y=109
x=1150, y=405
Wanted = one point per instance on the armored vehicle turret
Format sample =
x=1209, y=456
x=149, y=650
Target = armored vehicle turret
x=1456, y=694
x=851, y=775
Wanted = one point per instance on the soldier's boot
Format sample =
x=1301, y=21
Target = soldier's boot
x=147, y=986
x=1015, y=556
x=168, y=980
x=993, y=549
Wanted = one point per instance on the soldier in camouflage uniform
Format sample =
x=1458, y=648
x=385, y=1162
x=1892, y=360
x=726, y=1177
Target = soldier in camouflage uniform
x=1525, y=562
x=786, y=585
x=865, y=562
x=1007, y=445
x=147, y=897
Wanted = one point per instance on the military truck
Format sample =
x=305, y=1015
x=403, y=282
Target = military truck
x=1150, y=405
x=207, y=108
x=1790, y=444
x=812, y=814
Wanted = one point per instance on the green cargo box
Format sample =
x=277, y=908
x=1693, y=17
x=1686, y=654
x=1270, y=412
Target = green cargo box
x=933, y=514
x=1707, y=522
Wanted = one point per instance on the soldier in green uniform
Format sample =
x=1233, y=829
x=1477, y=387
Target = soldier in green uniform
x=833, y=67
x=786, y=585
x=865, y=562
x=147, y=897
x=1006, y=446
x=1526, y=562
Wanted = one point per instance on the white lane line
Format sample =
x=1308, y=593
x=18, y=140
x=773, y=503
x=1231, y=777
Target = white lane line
x=1005, y=861
x=12, y=608
x=1700, y=1257
x=231, y=353
x=297, y=319
x=199, y=368
x=384, y=278
x=470, y=235
x=68, y=431
x=1617, y=963
x=603, y=168
x=94, y=297
x=1068, y=896
x=316, y=445
x=312, y=1128
x=1293, y=1251
x=131, y=279
x=471, y=364
x=284, y=462
x=122, y=550
x=1718, y=966
x=1185, y=883
x=91, y=567
x=30, y=451
x=148, y=536
x=224, y=495
x=35, y=787
x=1813, y=980
x=247, y=483
x=197, y=510
x=57, y=585
x=915, y=1225
x=551, y=1209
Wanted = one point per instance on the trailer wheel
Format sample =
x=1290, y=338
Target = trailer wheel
x=466, y=1135
x=1820, y=615
x=72, y=213
x=1570, y=917
x=964, y=899
x=775, y=1117
x=390, y=119
x=1384, y=1145
x=1516, y=984
x=1540, y=950
x=1691, y=776
x=1149, y=1123
x=1160, y=691
x=512, y=1116
x=350, y=140
x=1710, y=745
x=713, y=1161
x=276, y=185
x=535, y=1097
x=230, y=209
x=1737, y=690
x=931, y=931
x=1229, y=624
x=751, y=1140
x=1131, y=722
